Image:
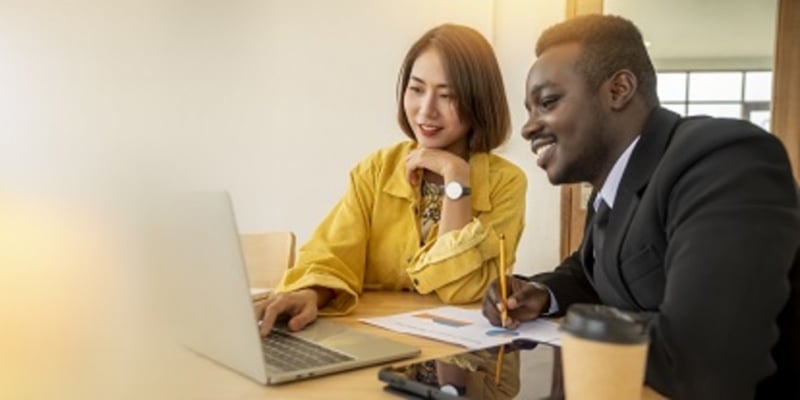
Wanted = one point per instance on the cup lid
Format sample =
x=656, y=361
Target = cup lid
x=605, y=324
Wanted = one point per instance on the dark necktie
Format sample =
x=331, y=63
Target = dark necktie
x=599, y=224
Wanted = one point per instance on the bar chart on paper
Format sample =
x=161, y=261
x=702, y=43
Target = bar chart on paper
x=465, y=327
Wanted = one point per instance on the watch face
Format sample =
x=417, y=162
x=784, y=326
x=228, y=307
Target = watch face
x=453, y=190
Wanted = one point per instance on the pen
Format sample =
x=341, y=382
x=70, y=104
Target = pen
x=503, y=291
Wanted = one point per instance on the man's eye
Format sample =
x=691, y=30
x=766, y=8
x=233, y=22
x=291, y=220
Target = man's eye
x=548, y=102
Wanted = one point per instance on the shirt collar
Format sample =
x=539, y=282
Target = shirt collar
x=608, y=192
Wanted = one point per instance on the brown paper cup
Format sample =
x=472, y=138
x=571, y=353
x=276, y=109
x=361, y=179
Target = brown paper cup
x=604, y=353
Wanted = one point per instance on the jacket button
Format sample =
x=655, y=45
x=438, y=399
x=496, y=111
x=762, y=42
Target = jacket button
x=408, y=260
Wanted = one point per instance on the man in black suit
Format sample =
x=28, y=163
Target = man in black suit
x=694, y=222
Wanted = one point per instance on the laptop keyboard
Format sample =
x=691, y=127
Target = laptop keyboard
x=286, y=352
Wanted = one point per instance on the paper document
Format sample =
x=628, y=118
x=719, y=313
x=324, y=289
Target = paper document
x=465, y=327
x=260, y=293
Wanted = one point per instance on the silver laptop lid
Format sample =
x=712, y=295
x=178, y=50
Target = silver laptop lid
x=199, y=255
x=197, y=247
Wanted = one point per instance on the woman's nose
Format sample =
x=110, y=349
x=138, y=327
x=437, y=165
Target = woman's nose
x=428, y=108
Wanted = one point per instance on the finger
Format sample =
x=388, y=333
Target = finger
x=413, y=172
x=500, y=308
x=258, y=308
x=511, y=324
x=489, y=309
x=512, y=303
x=492, y=292
x=271, y=313
x=413, y=176
x=307, y=315
x=529, y=293
x=521, y=292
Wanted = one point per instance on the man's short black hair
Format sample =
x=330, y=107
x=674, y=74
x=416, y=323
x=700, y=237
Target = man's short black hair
x=608, y=43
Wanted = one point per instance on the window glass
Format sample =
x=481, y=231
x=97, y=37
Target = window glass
x=760, y=118
x=679, y=108
x=705, y=86
x=716, y=110
x=672, y=86
x=758, y=86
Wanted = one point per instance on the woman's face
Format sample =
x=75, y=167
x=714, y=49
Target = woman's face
x=430, y=106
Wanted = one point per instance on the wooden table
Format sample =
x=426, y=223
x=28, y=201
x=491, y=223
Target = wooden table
x=206, y=380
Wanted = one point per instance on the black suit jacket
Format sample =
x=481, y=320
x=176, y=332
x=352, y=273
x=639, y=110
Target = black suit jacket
x=702, y=238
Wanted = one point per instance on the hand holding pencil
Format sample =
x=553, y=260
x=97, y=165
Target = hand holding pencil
x=512, y=300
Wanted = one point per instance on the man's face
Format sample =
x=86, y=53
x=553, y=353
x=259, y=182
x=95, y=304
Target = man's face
x=567, y=123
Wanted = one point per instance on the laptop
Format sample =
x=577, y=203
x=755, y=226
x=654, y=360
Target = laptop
x=196, y=245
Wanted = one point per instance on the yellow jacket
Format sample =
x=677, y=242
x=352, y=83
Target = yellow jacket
x=371, y=238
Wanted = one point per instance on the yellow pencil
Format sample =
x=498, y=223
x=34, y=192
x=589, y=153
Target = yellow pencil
x=503, y=284
x=499, y=366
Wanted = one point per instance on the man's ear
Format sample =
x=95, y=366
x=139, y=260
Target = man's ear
x=621, y=87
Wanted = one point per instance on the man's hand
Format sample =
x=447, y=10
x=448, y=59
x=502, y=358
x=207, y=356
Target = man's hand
x=525, y=302
x=300, y=305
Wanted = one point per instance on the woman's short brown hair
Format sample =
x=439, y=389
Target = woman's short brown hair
x=474, y=77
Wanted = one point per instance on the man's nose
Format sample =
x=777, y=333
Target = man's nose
x=531, y=127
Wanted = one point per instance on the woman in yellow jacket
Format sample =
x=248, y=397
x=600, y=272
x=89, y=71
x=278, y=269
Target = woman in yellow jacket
x=423, y=215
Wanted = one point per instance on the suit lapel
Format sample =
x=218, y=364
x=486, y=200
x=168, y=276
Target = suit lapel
x=653, y=142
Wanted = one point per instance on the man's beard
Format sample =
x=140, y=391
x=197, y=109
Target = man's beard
x=592, y=160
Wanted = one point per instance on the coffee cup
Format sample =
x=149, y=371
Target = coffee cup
x=604, y=353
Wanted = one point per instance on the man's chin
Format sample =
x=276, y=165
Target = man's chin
x=553, y=176
x=559, y=178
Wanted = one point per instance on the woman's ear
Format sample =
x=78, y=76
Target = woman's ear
x=621, y=89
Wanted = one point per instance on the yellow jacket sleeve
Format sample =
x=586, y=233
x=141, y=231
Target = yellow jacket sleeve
x=334, y=255
x=460, y=264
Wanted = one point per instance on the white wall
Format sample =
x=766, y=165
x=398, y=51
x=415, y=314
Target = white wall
x=272, y=100
x=517, y=24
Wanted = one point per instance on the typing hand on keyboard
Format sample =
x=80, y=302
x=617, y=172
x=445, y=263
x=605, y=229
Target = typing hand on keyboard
x=300, y=306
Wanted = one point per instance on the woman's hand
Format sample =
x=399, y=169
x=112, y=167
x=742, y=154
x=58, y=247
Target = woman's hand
x=443, y=163
x=301, y=306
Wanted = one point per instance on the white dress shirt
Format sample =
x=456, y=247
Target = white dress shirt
x=607, y=193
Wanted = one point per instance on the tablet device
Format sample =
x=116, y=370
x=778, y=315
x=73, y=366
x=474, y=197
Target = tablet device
x=527, y=370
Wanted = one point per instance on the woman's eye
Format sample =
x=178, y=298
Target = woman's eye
x=446, y=96
x=415, y=89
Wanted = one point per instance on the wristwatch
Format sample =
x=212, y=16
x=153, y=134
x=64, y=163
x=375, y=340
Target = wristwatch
x=454, y=190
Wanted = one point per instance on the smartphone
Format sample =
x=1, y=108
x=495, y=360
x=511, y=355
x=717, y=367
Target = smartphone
x=527, y=370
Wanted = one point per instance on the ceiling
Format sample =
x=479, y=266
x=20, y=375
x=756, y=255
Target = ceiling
x=702, y=29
